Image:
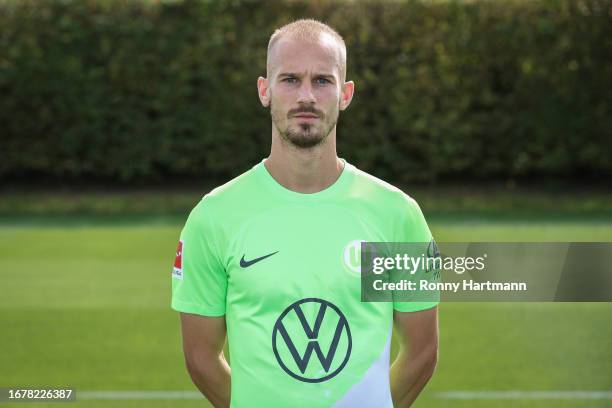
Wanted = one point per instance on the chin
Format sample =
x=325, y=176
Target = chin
x=304, y=141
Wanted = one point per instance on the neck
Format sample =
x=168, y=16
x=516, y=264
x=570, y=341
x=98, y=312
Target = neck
x=304, y=170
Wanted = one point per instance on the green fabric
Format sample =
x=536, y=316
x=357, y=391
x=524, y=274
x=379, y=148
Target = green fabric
x=310, y=237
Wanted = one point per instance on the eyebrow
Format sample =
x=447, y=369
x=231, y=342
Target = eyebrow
x=294, y=74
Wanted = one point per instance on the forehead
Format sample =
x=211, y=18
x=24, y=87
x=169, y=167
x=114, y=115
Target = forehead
x=293, y=55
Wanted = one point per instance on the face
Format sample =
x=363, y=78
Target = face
x=304, y=90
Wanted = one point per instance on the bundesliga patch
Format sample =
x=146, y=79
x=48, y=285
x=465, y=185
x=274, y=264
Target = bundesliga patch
x=177, y=270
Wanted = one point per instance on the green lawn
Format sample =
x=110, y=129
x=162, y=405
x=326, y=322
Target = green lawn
x=88, y=307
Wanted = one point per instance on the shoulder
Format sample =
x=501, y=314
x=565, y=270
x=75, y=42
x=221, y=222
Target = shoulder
x=240, y=186
x=388, y=196
x=398, y=210
x=231, y=192
x=226, y=198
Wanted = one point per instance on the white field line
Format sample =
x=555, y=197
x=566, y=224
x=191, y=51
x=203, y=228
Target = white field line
x=524, y=395
x=448, y=395
x=138, y=395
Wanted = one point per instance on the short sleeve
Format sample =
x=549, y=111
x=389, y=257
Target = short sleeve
x=414, y=229
x=199, y=279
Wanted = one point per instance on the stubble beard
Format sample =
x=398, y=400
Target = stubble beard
x=304, y=135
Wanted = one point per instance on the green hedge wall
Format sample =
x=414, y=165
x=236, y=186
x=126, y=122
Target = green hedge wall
x=143, y=91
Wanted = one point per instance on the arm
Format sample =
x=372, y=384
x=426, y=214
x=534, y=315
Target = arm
x=203, y=340
x=416, y=361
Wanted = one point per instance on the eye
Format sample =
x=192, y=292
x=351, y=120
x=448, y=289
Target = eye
x=290, y=80
x=323, y=81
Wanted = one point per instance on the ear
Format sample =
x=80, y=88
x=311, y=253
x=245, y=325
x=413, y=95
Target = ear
x=346, y=94
x=263, y=90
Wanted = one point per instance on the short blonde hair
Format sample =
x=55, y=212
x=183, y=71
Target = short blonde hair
x=308, y=30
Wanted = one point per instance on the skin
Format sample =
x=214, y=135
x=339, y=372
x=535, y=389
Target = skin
x=303, y=158
x=203, y=340
x=417, y=357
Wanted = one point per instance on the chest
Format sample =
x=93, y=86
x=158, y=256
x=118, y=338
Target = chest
x=298, y=252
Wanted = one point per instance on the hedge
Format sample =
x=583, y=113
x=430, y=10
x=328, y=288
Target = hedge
x=148, y=91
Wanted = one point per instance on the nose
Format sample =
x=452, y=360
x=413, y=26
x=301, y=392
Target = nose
x=305, y=94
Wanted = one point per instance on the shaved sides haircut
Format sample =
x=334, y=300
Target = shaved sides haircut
x=309, y=30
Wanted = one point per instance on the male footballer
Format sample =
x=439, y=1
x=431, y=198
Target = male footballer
x=268, y=259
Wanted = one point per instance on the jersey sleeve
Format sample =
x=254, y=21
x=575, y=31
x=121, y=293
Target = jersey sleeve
x=414, y=229
x=199, y=278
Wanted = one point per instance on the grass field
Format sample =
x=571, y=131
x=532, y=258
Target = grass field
x=87, y=306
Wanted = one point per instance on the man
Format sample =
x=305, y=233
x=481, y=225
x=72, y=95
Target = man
x=269, y=258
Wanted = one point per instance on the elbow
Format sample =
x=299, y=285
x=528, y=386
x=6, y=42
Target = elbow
x=431, y=362
x=198, y=364
x=191, y=364
x=194, y=366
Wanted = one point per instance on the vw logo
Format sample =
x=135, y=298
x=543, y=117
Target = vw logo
x=312, y=326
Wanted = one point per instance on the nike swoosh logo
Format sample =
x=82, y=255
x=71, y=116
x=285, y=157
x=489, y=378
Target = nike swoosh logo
x=246, y=264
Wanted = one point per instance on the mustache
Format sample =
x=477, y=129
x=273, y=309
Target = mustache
x=305, y=110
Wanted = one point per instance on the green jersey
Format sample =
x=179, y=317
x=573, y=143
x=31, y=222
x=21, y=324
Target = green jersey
x=283, y=267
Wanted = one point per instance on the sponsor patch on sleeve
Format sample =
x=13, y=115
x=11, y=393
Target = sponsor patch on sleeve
x=177, y=270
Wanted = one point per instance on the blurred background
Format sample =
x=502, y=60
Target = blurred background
x=117, y=116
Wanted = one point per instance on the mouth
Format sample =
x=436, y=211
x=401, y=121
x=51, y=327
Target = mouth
x=306, y=116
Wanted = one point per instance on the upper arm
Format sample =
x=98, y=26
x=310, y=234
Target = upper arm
x=199, y=279
x=418, y=331
x=203, y=336
x=416, y=241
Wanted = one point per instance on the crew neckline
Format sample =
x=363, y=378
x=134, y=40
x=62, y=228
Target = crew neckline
x=281, y=190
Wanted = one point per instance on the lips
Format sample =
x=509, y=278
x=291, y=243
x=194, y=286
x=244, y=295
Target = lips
x=306, y=115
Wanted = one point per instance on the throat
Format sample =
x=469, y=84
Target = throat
x=305, y=177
